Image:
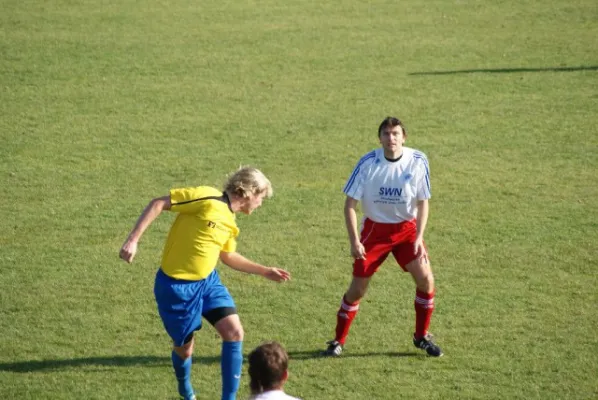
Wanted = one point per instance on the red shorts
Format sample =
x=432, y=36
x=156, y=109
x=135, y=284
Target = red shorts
x=380, y=240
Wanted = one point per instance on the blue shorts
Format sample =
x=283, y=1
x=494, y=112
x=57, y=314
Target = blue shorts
x=181, y=303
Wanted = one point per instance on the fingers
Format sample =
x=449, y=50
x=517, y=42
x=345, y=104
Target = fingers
x=284, y=275
x=279, y=275
x=360, y=255
x=419, y=249
x=425, y=257
x=420, y=252
x=358, y=252
x=127, y=253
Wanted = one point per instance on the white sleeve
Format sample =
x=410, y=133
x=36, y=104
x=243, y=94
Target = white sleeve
x=424, y=190
x=354, y=186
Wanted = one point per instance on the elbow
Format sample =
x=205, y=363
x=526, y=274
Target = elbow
x=156, y=204
x=160, y=203
x=349, y=208
x=226, y=258
x=350, y=205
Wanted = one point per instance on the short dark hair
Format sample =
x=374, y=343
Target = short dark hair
x=267, y=366
x=391, y=122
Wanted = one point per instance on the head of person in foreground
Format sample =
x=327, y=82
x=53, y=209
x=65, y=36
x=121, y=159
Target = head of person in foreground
x=268, y=368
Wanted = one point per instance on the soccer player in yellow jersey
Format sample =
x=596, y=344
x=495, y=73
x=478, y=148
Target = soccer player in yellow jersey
x=187, y=286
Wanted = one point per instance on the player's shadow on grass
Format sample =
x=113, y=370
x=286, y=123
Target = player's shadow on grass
x=153, y=361
x=508, y=70
x=94, y=362
x=311, y=354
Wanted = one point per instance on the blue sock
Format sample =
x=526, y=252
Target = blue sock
x=231, y=363
x=182, y=370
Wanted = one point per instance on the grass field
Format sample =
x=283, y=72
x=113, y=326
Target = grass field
x=105, y=105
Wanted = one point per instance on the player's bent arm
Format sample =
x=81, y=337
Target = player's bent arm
x=149, y=214
x=351, y=219
x=423, y=209
x=237, y=262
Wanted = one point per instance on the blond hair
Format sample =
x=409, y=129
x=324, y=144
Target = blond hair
x=246, y=181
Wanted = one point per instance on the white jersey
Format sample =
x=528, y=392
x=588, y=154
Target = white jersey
x=274, y=395
x=389, y=190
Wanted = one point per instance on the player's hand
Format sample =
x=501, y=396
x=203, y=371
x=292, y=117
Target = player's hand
x=277, y=275
x=420, y=249
x=128, y=251
x=358, y=251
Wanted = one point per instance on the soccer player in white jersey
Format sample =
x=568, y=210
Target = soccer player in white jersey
x=268, y=371
x=393, y=185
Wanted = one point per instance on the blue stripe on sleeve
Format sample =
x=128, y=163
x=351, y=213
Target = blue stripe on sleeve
x=351, y=180
x=422, y=157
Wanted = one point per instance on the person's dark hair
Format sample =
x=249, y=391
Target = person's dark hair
x=268, y=364
x=391, y=122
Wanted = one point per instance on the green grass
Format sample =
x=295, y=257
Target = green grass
x=104, y=105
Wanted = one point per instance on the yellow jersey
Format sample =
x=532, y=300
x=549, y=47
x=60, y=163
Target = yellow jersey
x=205, y=226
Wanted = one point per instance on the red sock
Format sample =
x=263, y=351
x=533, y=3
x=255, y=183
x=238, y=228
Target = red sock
x=424, y=306
x=345, y=316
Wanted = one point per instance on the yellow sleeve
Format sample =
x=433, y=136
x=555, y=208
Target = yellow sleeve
x=230, y=245
x=186, y=200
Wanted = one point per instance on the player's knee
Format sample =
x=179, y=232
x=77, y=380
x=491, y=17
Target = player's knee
x=355, y=294
x=357, y=290
x=184, y=352
x=237, y=334
x=426, y=283
x=234, y=334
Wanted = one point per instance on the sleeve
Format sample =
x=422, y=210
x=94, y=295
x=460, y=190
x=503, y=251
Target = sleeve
x=184, y=200
x=424, y=190
x=354, y=186
x=230, y=246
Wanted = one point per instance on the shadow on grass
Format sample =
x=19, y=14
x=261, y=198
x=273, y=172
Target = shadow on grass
x=153, y=361
x=508, y=70
x=115, y=361
x=307, y=355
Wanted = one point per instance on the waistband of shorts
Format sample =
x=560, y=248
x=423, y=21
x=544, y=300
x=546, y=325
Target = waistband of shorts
x=390, y=223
